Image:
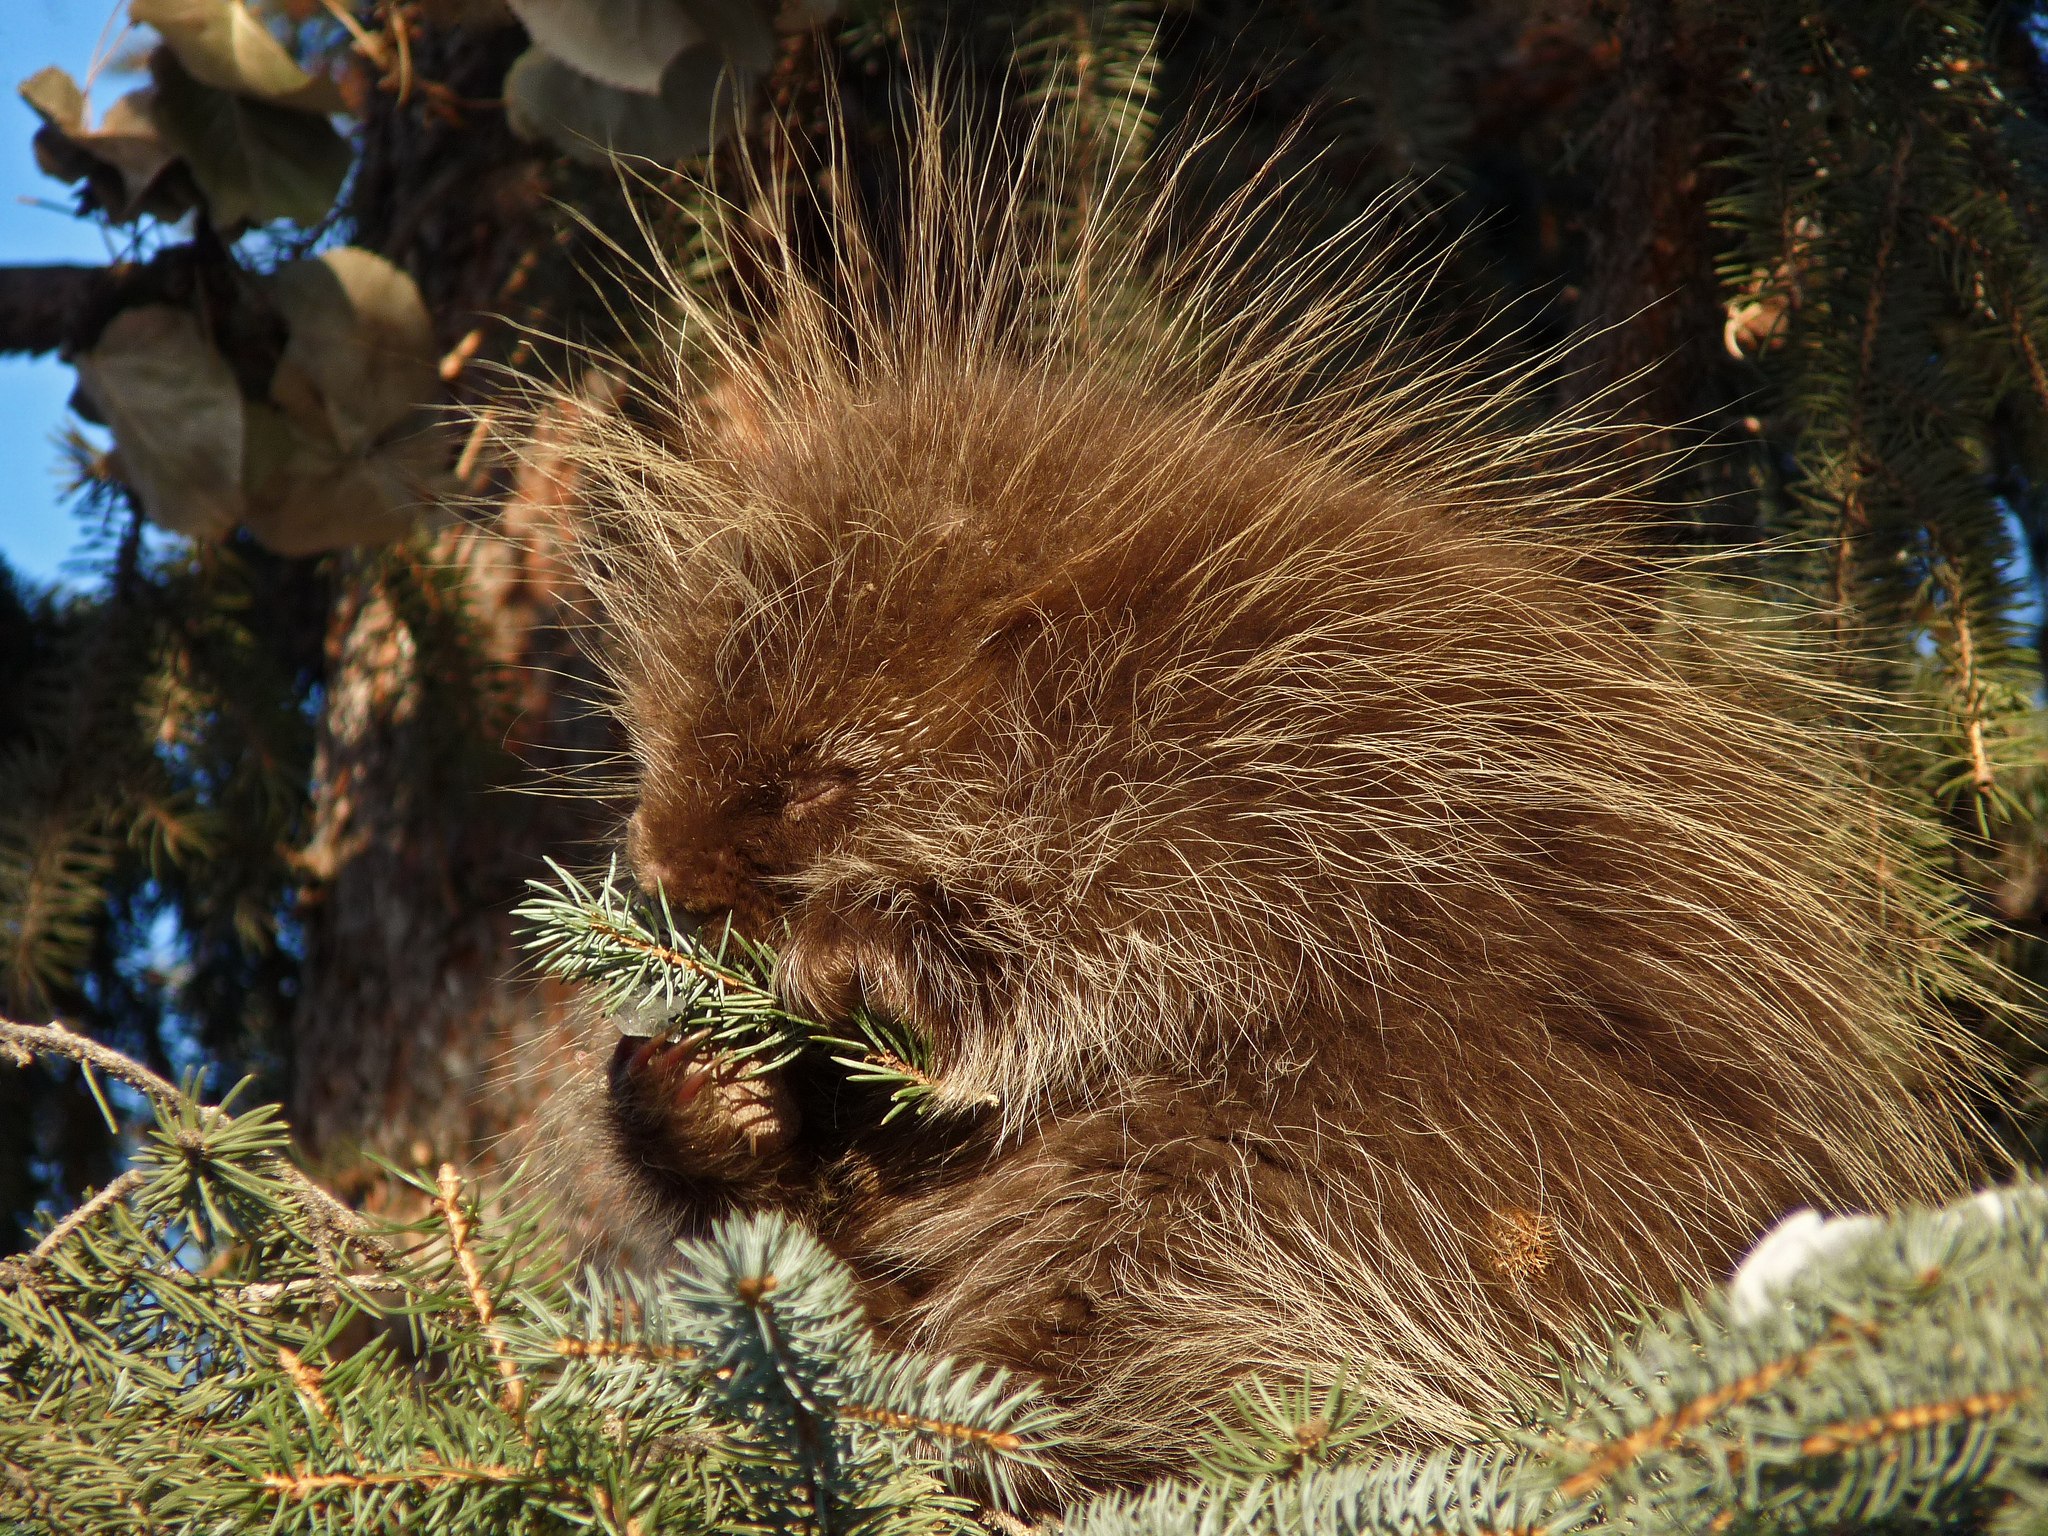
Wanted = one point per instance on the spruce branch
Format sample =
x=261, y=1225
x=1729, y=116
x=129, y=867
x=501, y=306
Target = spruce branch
x=651, y=974
x=654, y=976
x=461, y=1225
x=333, y=1220
x=1669, y=1429
x=1896, y=1372
x=1268, y=1432
x=180, y=1366
x=24, y=1042
x=116, y=1190
x=190, y=1363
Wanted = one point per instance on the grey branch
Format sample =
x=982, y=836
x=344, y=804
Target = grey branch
x=23, y=1042
x=63, y=307
x=120, y=1189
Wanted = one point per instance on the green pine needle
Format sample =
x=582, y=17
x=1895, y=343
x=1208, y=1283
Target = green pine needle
x=655, y=977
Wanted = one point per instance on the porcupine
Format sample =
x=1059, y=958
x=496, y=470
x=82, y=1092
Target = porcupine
x=1259, y=758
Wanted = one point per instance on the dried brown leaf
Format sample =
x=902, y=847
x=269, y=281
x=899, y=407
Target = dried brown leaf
x=176, y=413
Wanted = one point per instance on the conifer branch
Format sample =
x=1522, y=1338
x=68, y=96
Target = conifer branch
x=461, y=1225
x=1668, y=1428
x=971, y=1434
x=620, y=1349
x=654, y=977
x=270, y=1293
x=1834, y=1439
x=116, y=1190
x=2009, y=307
x=22, y=1042
x=1897, y=1369
x=307, y=1484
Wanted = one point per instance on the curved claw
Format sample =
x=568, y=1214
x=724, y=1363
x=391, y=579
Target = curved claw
x=673, y=1067
x=659, y=1086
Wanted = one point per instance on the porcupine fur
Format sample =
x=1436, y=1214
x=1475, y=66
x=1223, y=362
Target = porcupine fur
x=1251, y=748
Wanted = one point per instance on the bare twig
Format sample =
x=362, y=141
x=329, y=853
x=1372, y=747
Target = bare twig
x=366, y=42
x=22, y=1041
x=268, y=1293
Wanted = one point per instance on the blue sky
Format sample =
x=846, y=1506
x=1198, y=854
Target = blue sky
x=36, y=529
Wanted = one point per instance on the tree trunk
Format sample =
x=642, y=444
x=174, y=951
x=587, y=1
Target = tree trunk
x=418, y=1034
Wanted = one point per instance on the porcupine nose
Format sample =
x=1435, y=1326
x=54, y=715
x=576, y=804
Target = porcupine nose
x=711, y=882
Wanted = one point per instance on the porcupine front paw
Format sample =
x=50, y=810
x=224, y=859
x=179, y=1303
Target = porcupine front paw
x=694, y=1113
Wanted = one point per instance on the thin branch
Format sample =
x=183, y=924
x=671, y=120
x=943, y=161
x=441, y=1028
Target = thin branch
x=1981, y=775
x=299, y=1485
x=63, y=307
x=120, y=1189
x=2008, y=306
x=1837, y=1438
x=1617, y=1455
x=668, y=955
x=333, y=1217
x=268, y=1293
x=21, y=1043
x=365, y=42
x=621, y=1349
x=460, y=1230
x=943, y=1429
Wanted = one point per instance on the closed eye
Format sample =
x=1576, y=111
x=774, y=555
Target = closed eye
x=813, y=793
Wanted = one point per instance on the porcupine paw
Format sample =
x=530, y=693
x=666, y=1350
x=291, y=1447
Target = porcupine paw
x=684, y=1108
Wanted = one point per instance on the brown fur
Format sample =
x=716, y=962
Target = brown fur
x=1385, y=946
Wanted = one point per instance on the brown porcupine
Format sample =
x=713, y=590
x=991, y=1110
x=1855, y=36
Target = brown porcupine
x=1249, y=748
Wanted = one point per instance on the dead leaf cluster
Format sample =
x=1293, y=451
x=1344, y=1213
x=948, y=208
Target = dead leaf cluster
x=228, y=118
x=345, y=449
x=657, y=80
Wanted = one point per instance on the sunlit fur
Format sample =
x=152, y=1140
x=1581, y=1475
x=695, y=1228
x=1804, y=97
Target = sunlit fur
x=1240, y=735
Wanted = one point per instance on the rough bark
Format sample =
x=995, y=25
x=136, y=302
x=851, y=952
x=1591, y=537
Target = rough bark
x=416, y=1019
x=415, y=1022
x=62, y=307
x=1651, y=295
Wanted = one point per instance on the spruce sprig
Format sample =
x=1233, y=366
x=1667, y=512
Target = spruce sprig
x=895, y=1056
x=1882, y=1375
x=656, y=976
x=213, y=1344
x=184, y=1353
